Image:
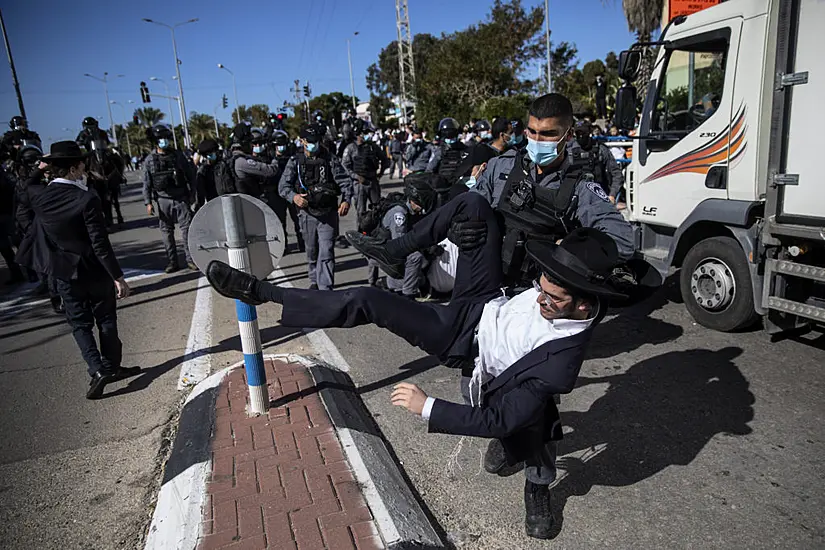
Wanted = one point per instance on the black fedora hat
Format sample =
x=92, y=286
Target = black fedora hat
x=583, y=261
x=64, y=151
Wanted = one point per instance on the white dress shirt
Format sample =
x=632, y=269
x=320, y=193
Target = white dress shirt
x=508, y=330
x=80, y=184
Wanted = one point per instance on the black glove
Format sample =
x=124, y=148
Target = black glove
x=435, y=251
x=467, y=235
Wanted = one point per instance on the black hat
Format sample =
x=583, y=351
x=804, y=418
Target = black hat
x=583, y=261
x=64, y=151
x=313, y=133
x=208, y=146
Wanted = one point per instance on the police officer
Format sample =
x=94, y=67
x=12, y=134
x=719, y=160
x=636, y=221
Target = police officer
x=483, y=131
x=205, y=159
x=318, y=185
x=596, y=159
x=517, y=139
x=20, y=135
x=251, y=172
x=169, y=179
x=362, y=159
x=451, y=160
x=420, y=198
x=283, y=150
x=417, y=155
x=105, y=168
x=396, y=150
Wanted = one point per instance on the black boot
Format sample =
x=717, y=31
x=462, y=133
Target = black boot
x=382, y=252
x=538, y=522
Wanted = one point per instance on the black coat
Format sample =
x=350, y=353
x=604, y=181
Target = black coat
x=68, y=238
x=517, y=406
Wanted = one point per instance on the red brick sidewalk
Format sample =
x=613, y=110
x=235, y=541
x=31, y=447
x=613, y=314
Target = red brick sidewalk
x=281, y=481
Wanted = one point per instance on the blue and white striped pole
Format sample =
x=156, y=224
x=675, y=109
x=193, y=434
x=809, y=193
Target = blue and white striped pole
x=247, y=315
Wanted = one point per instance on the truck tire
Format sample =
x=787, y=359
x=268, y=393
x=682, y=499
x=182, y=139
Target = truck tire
x=716, y=285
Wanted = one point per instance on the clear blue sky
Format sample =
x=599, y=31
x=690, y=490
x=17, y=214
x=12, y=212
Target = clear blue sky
x=266, y=44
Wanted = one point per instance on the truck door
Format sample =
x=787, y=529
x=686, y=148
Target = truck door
x=693, y=125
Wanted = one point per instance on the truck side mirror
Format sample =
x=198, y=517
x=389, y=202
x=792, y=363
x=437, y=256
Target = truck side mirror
x=629, y=63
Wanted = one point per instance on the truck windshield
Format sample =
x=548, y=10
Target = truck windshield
x=690, y=91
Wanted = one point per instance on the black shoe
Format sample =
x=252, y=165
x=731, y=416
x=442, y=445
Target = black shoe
x=98, y=382
x=313, y=286
x=57, y=305
x=539, y=520
x=171, y=268
x=341, y=242
x=232, y=283
x=495, y=461
x=374, y=248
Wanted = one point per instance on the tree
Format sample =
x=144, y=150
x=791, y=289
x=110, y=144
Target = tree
x=257, y=114
x=333, y=105
x=201, y=127
x=149, y=116
x=643, y=17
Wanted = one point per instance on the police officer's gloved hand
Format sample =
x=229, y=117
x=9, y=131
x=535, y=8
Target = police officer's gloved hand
x=435, y=251
x=467, y=235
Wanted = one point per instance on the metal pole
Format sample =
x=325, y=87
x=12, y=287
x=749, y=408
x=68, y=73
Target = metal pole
x=186, y=136
x=13, y=70
x=186, y=140
x=547, y=39
x=171, y=111
x=235, y=91
x=217, y=132
x=109, y=107
x=125, y=131
x=351, y=82
x=247, y=314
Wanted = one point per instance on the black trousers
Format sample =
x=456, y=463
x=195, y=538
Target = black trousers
x=88, y=303
x=442, y=330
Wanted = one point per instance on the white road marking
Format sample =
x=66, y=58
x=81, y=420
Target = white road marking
x=197, y=362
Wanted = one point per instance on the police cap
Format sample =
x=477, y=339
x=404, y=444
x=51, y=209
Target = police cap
x=313, y=133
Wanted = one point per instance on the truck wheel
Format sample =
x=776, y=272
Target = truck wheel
x=716, y=285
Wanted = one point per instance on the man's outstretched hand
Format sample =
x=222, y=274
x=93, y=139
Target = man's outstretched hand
x=409, y=396
x=468, y=235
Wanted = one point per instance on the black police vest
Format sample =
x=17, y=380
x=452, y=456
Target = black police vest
x=316, y=180
x=166, y=178
x=530, y=212
x=366, y=162
x=452, y=157
x=590, y=162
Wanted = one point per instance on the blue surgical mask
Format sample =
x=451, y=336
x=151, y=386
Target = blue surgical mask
x=450, y=141
x=543, y=152
x=470, y=182
x=515, y=139
x=258, y=149
x=163, y=143
x=212, y=156
x=486, y=135
x=281, y=148
x=312, y=147
x=418, y=140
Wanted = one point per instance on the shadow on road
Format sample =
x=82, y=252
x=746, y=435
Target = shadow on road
x=661, y=412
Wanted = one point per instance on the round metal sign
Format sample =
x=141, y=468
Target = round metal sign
x=255, y=223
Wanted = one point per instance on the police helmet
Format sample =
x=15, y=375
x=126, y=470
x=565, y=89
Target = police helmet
x=279, y=137
x=358, y=127
x=241, y=134
x=30, y=155
x=482, y=126
x=257, y=136
x=518, y=126
x=90, y=122
x=161, y=131
x=208, y=146
x=17, y=122
x=313, y=133
x=448, y=128
x=582, y=131
x=418, y=187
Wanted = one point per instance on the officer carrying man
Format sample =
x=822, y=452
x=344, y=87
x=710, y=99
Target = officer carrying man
x=417, y=154
x=596, y=159
x=169, y=179
x=362, y=159
x=320, y=188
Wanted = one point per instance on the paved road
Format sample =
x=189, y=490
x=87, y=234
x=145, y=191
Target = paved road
x=677, y=437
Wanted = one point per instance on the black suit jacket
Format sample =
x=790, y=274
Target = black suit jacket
x=517, y=406
x=68, y=238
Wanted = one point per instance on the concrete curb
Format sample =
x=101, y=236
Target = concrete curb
x=176, y=520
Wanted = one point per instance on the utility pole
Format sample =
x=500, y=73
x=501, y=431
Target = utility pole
x=217, y=132
x=547, y=40
x=351, y=81
x=406, y=66
x=13, y=70
x=297, y=91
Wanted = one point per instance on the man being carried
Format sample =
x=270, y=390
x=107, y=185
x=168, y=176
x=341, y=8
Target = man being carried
x=527, y=349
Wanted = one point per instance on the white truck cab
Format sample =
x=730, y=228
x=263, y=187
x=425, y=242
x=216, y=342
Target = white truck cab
x=722, y=183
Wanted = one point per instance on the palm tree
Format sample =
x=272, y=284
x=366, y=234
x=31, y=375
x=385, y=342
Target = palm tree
x=149, y=116
x=201, y=127
x=644, y=17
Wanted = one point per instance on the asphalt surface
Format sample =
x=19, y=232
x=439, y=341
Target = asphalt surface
x=676, y=436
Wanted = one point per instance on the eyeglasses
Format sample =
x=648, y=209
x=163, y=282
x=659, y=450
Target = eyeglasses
x=547, y=298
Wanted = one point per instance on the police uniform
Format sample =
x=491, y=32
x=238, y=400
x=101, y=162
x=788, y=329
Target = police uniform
x=417, y=156
x=397, y=222
x=588, y=204
x=170, y=178
x=450, y=161
x=326, y=184
x=599, y=161
x=251, y=174
x=363, y=160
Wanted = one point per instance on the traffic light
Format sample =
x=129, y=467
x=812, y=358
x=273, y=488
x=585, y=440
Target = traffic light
x=306, y=90
x=136, y=120
x=281, y=116
x=144, y=93
x=224, y=101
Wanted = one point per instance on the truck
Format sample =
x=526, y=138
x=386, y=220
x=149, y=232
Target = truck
x=723, y=184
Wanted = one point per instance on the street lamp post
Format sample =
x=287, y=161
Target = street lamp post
x=126, y=121
x=188, y=141
x=171, y=111
x=217, y=132
x=234, y=89
x=105, y=81
x=547, y=40
x=351, y=81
